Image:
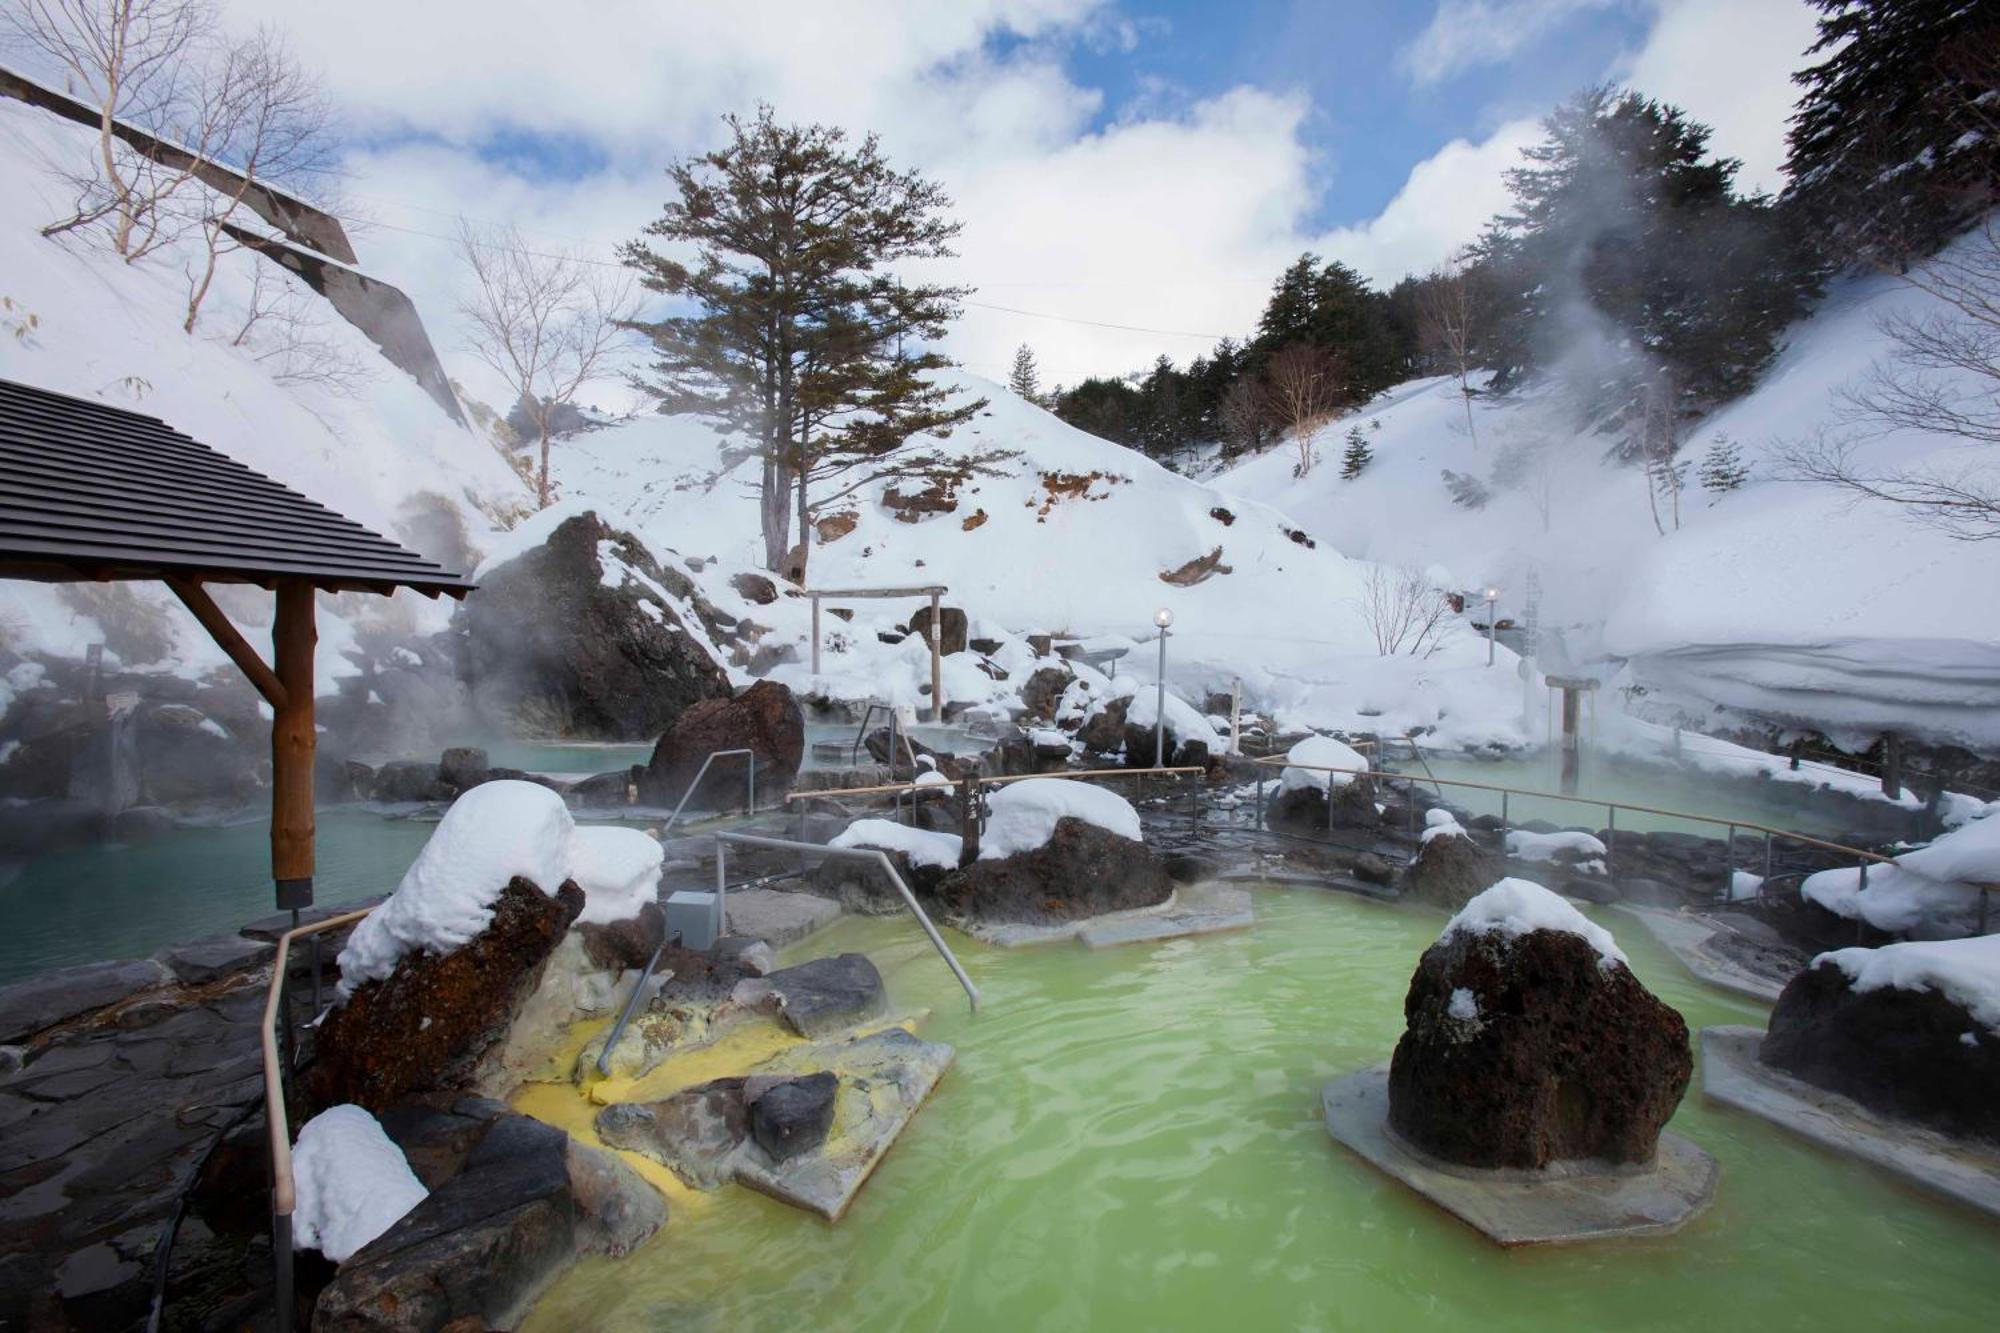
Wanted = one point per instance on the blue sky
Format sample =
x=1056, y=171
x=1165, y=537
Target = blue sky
x=1150, y=164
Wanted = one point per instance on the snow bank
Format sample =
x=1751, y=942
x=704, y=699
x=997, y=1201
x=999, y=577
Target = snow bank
x=1928, y=892
x=1516, y=907
x=1024, y=814
x=1970, y=853
x=1184, y=720
x=1526, y=846
x=352, y=1180
x=923, y=847
x=492, y=833
x=1325, y=752
x=1967, y=971
x=617, y=868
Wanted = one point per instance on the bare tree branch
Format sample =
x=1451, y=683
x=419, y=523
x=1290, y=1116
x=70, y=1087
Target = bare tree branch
x=1307, y=384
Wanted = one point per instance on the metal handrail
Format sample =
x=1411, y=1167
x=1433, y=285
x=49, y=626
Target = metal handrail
x=702, y=772
x=277, y=1125
x=856, y=853
x=631, y=1007
x=899, y=787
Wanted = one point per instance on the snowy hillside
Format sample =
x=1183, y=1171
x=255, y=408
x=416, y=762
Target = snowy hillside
x=1783, y=598
x=84, y=322
x=1072, y=537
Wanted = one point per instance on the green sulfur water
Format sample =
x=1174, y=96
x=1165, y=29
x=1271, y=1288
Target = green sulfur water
x=1132, y=1140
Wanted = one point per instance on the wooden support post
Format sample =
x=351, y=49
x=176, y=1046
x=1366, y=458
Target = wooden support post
x=968, y=821
x=1892, y=766
x=293, y=638
x=815, y=602
x=196, y=599
x=937, y=661
x=1569, y=739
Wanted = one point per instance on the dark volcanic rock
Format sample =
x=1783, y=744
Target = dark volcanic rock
x=764, y=718
x=528, y=1201
x=1104, y=732
x=952, y=621
x=1449, y=872
x=861, y=887
x=409, y=780
x=793, y=1115
x=463, y=767
x=550, y=648
x=1560, y=1059
x=1081, y=871
x=755, y=588
x=427, y=1024
x=617, y=945
x=1305, y=808
x=827, y=995
x=1901, y=1052
x=695, y=1132
x=1044, y=691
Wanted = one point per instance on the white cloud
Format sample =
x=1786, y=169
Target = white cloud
x=1441, y=207
x=1729, y=64
x=1466, y=34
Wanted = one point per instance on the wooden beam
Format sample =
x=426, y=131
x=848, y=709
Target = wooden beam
x=293, y=637
x=937, y=662
x=196, y=599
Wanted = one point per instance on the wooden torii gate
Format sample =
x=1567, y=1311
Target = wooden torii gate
x=934, y=591
x=90, y=492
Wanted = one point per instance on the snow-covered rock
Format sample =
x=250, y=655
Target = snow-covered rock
x=1023, y=815
x=1968, y=971
x=618, y=870
x=1320, y=752
x=353, y=1183
x=1927, y=893
x=492, y=834
x=1515, y=907
x=921, y=846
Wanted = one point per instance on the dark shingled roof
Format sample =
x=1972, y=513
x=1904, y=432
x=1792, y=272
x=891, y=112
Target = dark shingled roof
x=89, y=491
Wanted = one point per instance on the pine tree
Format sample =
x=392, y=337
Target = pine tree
x=1467, y=491
x=1722, y=468
x=782, y=241
x=1358, y=455
x=1024, y=379
x=1895, y=145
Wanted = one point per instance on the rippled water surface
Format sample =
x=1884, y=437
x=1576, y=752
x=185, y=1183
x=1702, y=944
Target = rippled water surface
x=1131, y=1140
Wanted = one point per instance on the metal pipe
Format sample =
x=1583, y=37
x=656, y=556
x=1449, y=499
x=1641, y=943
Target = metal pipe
x=1729, y=867
x=1160, y=703
x=888, y=868
x=701, y=773
x=632, y=1002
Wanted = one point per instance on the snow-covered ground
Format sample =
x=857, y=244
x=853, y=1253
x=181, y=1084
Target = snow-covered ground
x=1783, y=598
x=379, y=451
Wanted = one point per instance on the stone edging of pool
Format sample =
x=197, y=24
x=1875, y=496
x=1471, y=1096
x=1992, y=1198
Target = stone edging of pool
x=1519, y=1208
x=1686, y=938
x=1732, y=1074
x=1194, y=909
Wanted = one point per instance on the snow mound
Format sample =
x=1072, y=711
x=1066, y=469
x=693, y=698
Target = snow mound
x=1928, y=892
x=352, y=1180
x=1442, y=824
x=1024, y=814
x=923, y=847
x=1184, y=720
x=618, y=870
x=491, y=834
x=1516, y=907
x=1967, y=971
x=1525, y=846
x=1321, y=752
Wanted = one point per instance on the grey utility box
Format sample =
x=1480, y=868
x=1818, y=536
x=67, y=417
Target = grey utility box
x=696, y=917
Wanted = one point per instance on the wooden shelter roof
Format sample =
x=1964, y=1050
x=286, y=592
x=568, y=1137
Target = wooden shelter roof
x=91, y=491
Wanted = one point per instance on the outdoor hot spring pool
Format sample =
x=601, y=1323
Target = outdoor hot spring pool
x=1131, y=1139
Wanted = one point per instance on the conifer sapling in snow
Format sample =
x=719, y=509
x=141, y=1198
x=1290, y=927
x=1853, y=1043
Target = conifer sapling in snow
x=1025, y=378
x=1358, y=455
x=1722, y=469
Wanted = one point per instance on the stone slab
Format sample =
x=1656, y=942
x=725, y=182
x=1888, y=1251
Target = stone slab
x=203, y=961
x=272, y=926
x=885, y=1078
x=1514, y=1208
x=27, y=1007
x=776, y=917
x=1686, y=938
x=1732, y=1074
x=1198, y=910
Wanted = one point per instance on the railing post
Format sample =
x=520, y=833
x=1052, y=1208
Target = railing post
x=753, y=783
x=1503, y=819
x=1860, y=921
x=1260, y=801
x=1409, y=801
x=281, y=1269
x=318, y=1004
x=1610, y=838
x=1767, y=861
x=721, y=888
x=1729, y=868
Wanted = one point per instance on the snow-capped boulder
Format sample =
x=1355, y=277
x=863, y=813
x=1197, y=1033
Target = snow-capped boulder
x=1529, y=1042
x=921, y=856
x=1056, y=850
x=764, y=719
x=1450, y=869
x=432, y=980
x=586, y=635
x=1928, y=893
x=1910, y=1029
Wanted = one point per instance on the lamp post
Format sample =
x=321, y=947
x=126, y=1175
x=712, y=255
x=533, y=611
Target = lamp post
x=1163, y=618
x=1492, y=601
